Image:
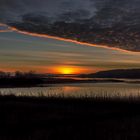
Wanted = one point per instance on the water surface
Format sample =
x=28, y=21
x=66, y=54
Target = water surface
x=112, y=90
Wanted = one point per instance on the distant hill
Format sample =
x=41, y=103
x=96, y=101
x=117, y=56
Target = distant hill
x=119, y=73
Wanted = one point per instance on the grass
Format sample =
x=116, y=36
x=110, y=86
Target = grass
x=32, y=118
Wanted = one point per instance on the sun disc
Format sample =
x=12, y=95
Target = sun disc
x=66, y=70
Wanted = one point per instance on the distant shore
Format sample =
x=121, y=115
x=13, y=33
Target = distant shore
x=32, y=79
x=35, y=82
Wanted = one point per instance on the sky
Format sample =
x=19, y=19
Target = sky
x=11, y=10
x=26, y=52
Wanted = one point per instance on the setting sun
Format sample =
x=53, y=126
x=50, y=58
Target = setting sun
x=67, y=70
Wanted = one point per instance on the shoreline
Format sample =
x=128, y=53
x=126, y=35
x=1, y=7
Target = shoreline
x=69, y=83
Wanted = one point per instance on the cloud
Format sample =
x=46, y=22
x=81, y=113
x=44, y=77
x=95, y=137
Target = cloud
x=12, y=10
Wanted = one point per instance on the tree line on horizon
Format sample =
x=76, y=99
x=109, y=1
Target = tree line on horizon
x=116, y=73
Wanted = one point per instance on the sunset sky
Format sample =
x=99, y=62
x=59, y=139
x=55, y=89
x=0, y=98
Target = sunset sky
x=41, y=54
x=114, y=23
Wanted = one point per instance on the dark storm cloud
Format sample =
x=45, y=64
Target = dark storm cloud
x=12, y=9
x=110, y=22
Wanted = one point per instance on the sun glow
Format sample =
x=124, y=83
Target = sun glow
x=67, y=70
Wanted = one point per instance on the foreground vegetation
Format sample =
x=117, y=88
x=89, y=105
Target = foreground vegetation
x=31, y=118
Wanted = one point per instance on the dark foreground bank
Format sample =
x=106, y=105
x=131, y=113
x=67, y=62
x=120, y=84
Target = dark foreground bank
x=23, y=118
